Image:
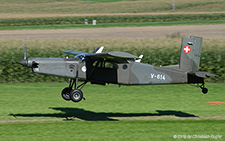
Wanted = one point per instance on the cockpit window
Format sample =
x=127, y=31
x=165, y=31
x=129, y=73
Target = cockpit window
x=106, y=64
x=111, y=65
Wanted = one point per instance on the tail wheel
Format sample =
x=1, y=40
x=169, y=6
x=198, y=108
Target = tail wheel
x=204, y=90
x=66, y=93
x=76, y=95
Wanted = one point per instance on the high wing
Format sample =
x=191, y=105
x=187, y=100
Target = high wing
x=74, y=52
x=97, y=50
x=119, y=57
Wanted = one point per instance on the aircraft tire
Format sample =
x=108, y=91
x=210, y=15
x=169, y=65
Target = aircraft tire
x=76, y=95
x=204, y=90
x=66, y=93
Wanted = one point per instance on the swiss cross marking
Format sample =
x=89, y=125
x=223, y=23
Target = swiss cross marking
x=186, y=49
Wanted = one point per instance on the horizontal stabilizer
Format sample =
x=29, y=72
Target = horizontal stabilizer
x=203, y=74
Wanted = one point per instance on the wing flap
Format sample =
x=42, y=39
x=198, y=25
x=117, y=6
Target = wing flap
x=203, y=74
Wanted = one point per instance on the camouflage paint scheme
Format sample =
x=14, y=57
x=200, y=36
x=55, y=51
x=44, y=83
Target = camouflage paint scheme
x=121, y=68
x=127, y=73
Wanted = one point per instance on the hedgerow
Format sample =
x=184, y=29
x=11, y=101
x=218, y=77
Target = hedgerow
x=212, y=60
x=111, y=19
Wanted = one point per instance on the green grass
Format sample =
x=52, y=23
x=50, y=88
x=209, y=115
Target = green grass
x=110, y=113
x=107, y=130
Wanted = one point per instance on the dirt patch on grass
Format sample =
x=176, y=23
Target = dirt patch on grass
x=31, y=120
x=205, y=31
x=141, y=118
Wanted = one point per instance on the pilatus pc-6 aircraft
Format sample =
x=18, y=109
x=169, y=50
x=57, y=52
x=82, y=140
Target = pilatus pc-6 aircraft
x=120, y=68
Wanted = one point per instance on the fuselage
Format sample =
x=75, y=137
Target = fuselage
x=129, y=73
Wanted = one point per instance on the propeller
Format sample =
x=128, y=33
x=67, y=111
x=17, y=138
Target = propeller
x=25, y=62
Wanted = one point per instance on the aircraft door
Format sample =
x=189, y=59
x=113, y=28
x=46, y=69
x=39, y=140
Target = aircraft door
x=102, y=71
x=123, y=73
x=71, y=69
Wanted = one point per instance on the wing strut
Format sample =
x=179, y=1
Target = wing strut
x=76, y=79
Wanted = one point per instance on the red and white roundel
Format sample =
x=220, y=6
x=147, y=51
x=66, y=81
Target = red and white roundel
x=186, y=49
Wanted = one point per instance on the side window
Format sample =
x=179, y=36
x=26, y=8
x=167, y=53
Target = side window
x=100, y=64
x=111, y=65
x=94, y=63
x=106, y=64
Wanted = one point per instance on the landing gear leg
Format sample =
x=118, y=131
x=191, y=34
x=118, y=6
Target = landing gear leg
x=75, y=94
x=204, y=90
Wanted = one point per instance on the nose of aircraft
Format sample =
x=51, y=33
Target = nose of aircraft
x=23, y=62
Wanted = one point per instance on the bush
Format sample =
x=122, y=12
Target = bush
x=111, y=19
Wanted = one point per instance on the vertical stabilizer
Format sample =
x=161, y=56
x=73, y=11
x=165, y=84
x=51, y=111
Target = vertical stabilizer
x=190, y=53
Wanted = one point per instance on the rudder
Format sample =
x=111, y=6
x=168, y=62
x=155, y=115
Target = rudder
x=190, y=53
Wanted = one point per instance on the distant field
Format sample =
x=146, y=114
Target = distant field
x=54, y=14
x=36, y=111
x=107, y=6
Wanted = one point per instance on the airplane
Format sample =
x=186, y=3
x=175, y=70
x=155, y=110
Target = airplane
x=120, y=68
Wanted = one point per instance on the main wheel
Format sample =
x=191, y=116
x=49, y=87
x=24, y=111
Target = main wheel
x=204, y=90
x=76, y=95
x=66, y=93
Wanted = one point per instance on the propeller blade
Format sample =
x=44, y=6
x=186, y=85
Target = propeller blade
x=25, y=50
x=24, y=62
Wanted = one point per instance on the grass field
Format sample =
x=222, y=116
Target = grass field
x=36, y=111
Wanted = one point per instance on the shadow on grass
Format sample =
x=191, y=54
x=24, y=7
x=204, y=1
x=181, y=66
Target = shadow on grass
x=94, y=116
